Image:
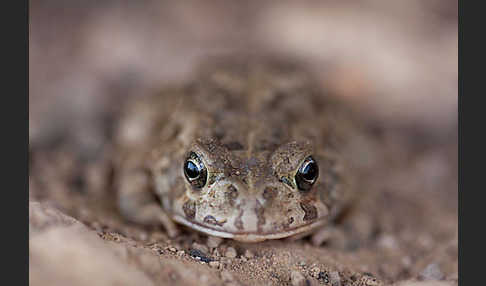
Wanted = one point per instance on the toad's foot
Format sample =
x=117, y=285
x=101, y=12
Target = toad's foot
x=138, y=205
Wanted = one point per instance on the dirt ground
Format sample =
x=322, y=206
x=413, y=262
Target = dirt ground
x=396, y=62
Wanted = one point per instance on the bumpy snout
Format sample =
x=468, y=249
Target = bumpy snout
x=237, y=207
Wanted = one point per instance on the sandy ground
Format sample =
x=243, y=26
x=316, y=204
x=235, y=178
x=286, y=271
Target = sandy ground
x=396, y=62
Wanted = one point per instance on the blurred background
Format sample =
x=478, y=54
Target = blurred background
x=397, y=61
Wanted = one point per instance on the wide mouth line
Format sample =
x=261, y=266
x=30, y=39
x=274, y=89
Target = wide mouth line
x=208, y=229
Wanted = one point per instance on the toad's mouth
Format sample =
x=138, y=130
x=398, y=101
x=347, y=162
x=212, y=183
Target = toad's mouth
x=249, y=236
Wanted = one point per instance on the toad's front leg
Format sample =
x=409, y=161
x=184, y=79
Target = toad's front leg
x=137, y=202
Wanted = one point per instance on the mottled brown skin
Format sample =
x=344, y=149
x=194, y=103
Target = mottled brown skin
x=253, y=123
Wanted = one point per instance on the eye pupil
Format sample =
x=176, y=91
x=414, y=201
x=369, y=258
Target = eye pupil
x=310, y=171
x=307, y=174
x=195, y=171
x=192, y=170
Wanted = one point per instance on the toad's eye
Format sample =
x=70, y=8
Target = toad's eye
x=195, y=171
x=307, y=174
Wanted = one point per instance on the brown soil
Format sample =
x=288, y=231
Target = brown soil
x=86, y=60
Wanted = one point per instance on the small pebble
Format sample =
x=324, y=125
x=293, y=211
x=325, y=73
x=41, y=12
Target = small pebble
x=369, y=281
x=172, y=249
x=323, y=276
x=181, y=252
x=335, y=278
x=199, y=255
x=432, y=272
x=214, y=264
x=315, y=272
x=302, y=263
x=248, y=254
x=297, y=278
x=214, y=241
x=230, y=252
